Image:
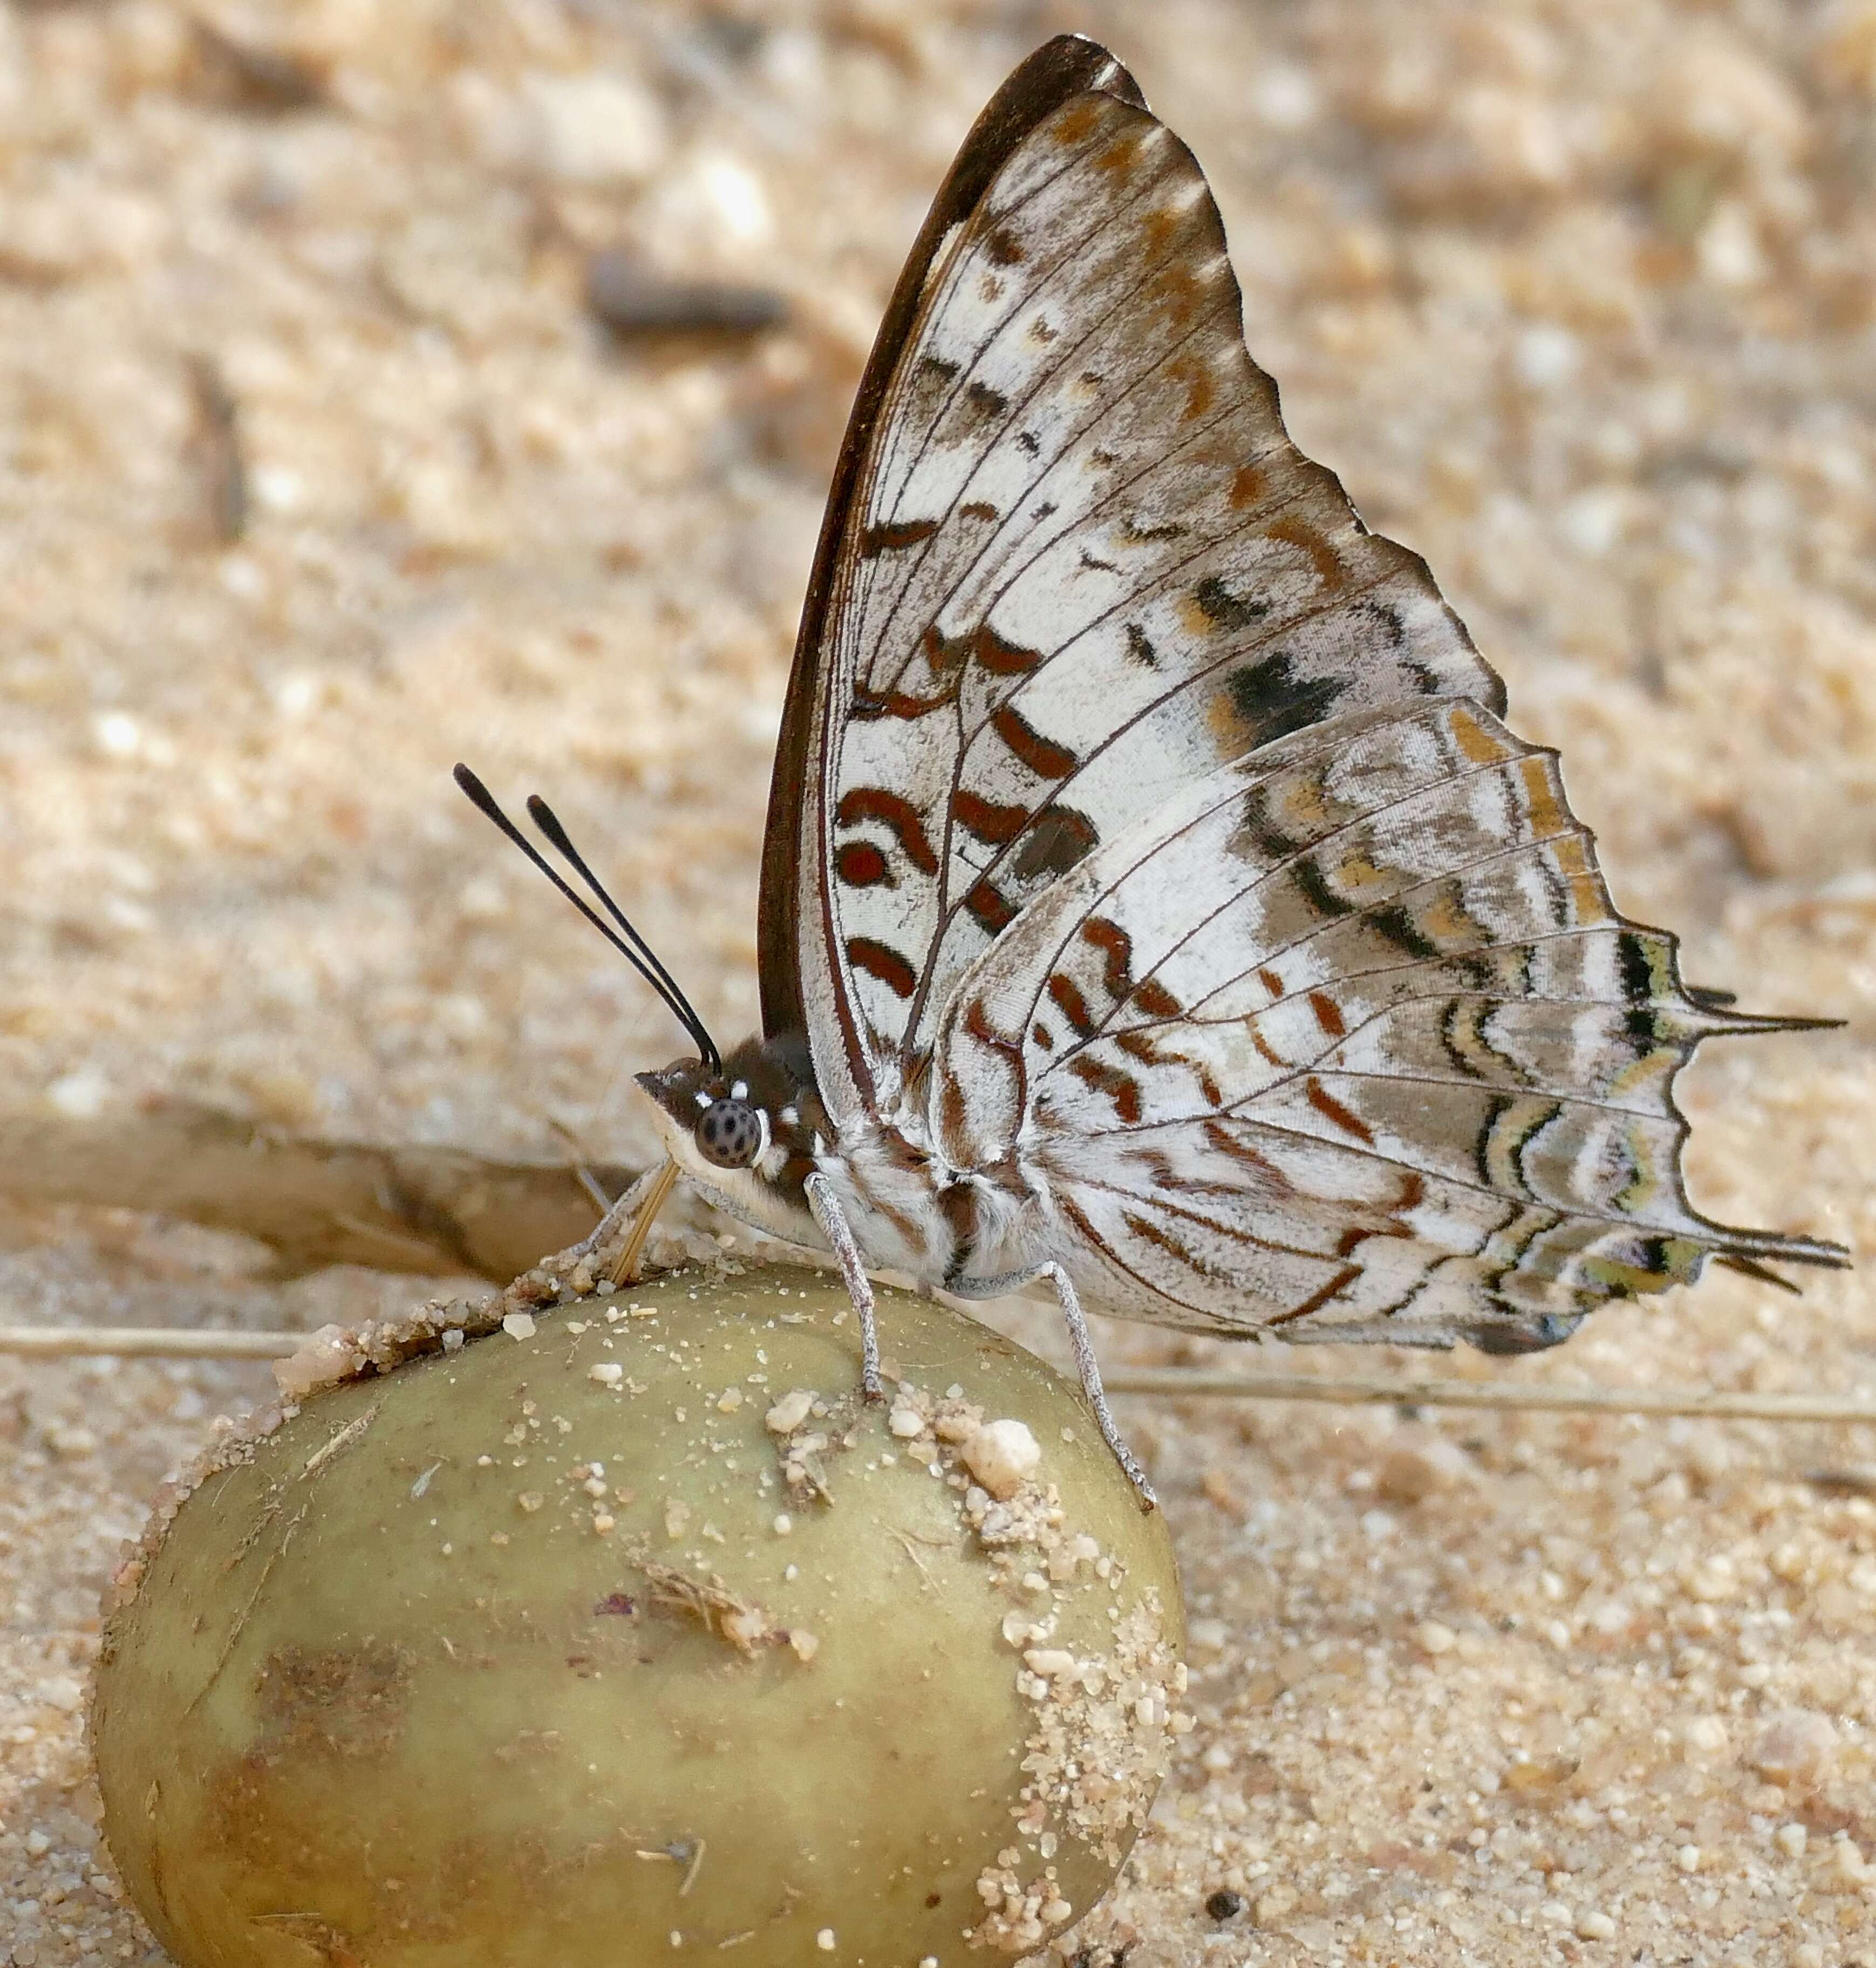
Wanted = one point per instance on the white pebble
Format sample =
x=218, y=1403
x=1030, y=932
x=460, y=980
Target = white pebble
x=519, y=1326
x=825, y=1941
x=1595, y=1925
x=1791, y=1840
x=1794, y=1746
x=1706, y=1735
x=906, y=1423
x=1546, y=356
x=1688, y=1858
x=1002, y=1455
x=594, y=129
x=118, y=735
x=80, y=1096
x=608, y=1373
x=1050, y=1662
x=789, y=1412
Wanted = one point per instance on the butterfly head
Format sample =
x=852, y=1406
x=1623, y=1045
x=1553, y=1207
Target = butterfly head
x=744, y=1130
x=706, y=1114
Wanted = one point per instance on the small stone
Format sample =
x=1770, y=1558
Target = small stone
x=789, y=1412
x=1419, y=1466
x=81, y=1096
x=907, y=1422
x=633, y=299
x=825, y=1941
x=595, y=129
x=608, y=1373
x=1546, y=356
x=519, y=1326
x=1595, y=1925
x=1791, y=1840
x=1793, y=1747
x=1222, y=1906
x=1688, y=1858
x=1002, y=1455
x=1050, y=1662
x=1706, y=1735
x=1435, y=1639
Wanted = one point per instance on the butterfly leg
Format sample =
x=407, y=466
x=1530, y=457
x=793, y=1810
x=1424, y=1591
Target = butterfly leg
x=825, y=1209
x=1081, y=1344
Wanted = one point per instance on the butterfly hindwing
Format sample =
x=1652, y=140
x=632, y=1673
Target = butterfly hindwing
x=1348, y=1041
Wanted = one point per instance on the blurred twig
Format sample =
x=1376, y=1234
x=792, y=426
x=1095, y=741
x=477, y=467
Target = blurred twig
x=216, y=447
x=1182, y=1383
x=1393, y=1390
x=428, y=1211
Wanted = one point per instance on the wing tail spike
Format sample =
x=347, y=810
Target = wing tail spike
x=1715, y=1011
x=1746, y=1253
x=1752, y=1025
x=1749, y=1268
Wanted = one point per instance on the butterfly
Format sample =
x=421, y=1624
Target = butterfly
x=1154, y=900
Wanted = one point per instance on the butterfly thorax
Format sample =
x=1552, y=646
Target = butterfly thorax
x=748, y=1134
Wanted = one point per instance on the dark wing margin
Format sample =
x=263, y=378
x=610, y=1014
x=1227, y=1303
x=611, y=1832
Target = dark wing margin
x=1070, y=65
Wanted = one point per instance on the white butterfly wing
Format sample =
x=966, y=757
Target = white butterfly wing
x=1151, y=831
x=1081, y=565
x=1350, y=1042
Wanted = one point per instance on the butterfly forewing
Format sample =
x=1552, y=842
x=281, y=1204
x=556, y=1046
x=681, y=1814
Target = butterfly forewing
x=1150, y=826
x=1085, y=565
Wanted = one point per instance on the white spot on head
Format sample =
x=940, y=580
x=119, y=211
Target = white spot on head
x=790, y=1116
x=702, y=1099
x=739, y=1091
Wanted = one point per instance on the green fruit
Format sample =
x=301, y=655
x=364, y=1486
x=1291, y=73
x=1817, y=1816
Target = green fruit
x=641, y=1636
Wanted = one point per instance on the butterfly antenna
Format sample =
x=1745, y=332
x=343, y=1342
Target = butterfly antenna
x=544, y=817
x=654, y=973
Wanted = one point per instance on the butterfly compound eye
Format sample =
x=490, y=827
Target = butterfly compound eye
x=729, y=1134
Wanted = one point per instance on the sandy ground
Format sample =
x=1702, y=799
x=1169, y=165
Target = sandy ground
x=1581, y=301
